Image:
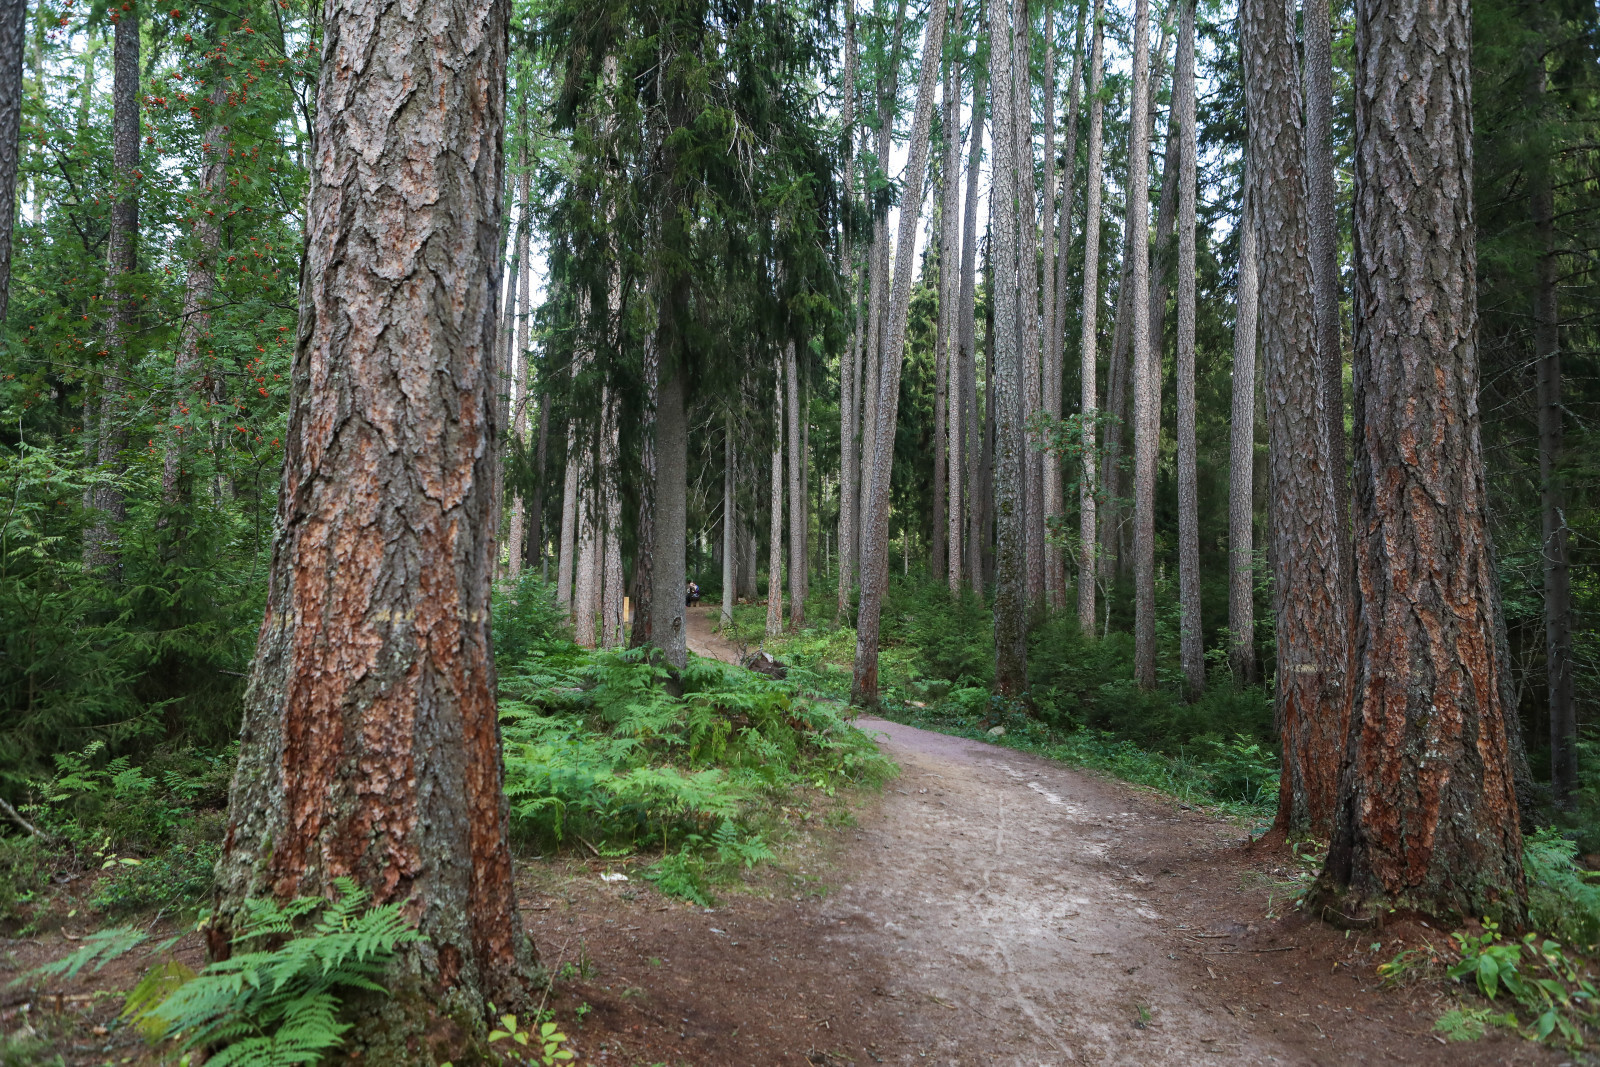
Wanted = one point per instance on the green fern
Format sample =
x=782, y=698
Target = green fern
x=99, y=948
x=280, y=1006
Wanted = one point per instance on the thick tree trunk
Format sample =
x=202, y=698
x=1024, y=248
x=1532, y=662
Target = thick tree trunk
x=1242, y=450
x=797, y=498
x=1146, y=409
x=1427, y=813
x=1028, y=304
x=370, y=748
x=199, y=286
x=1054, y=504
x=13, y=32
x=569, y=522
x=1191, y=640
x=874, y=561
x=1088, y=342
x=947, y=546
x=670, y=541
x=1324, y=251
x=1311, y=610
x=986, y=499
x=644, y=548
x=850, y=364
x=122, y=259
x=775, y=514
x=586, y=589
x=729, y=524
x=610, y=491
x=973, y=428
x=1006, y=372
x=944, y=215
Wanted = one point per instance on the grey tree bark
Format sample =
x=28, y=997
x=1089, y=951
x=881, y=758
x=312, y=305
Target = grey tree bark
x=668, y=624
x=122, y=259
x=1028, y=302
x=775, y=515
x=1088, y=342
x=945, y=212
x=517, y=360
x=370, y=747
x=1312, y=612
x=643, y=630
x=797, y=498
x=1192, y=645
x=729, y=521
x=610, y=491
x=949, y=404
x=972, y=447
x=1324, y=249
x=1146, y=412
x=13, y=33
x=1006, y=372
x=1242, y=450
x=874, y=561
x=850, y=365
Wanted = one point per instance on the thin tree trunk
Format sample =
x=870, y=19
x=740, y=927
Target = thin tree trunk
x=973, y=428
x=986, y=497
x=370, y=747
x=1191, y=641
x=199, y=286
x=536, y=504
x=569, y=523
x=874, y=561
x=949, y=403
x=1242, y=450
x=611, y=515
x=728, y=521
x=669, y=623
x=1146, y=410
x=1088, y=341
x=1006, y=371
x=122, y=259
x=850, y=367
x=1427, y=813
x=1311, y=611
x=517, y=359
x=775, y=514
x=13, y=38
x=1324, y=251
x=797, y=498
x=944, y=214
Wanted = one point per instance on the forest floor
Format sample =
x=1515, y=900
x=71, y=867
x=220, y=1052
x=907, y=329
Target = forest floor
x=987, y=907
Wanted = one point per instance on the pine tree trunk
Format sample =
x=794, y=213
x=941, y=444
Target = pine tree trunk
x=370, y=747
x=586, y=592
x=729, y=524
x=850, y=364
x=874, y=561
x=517, y=359
x=611, y=635
x=1028, y=304
x=947, y=546
x=1311, y=611
x=1242, y=450
x=536, y=548
x=973, y=428
x=199, y=286
x=797, y=499
x=986, y=499
x=1055, y=559
x=643, y=631
x=13, y=34
x=943, y=225
x=670, y=540
x=1146, y=409
x=1088, y=342
x=1006, y=371
x=775, y=514
x=1192, y=644
x=1427, y=813
x=1324, y=250
x=122, y=258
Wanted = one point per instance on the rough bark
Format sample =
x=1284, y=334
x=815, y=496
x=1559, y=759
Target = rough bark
x=1028, y=304
x=1427, y=813
x=611, y=635
x=199, y=285
x=1006, y=371
x=729, y=524
x=973, y=447
x=1191, y=643
x=585, y=588
x=1146, y=409
x=1312, y=614
x=1088, y=342
x=13, y=33
x=1324, y=250
x=670, y=542
x=536, y=538
x=944, y=213
x=1054, y=504
x=850, y=364
x=516, y=361
x=370, y=747
x=775, y=514
x=569, y=522
x=1242, y=450
x=874, y=561
x=986, y=502
x=644, y=545
x=122, y=259
x=797, y=498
